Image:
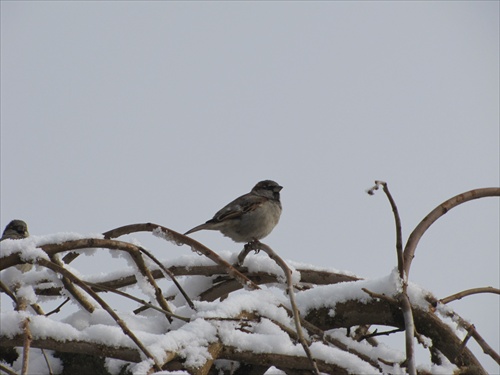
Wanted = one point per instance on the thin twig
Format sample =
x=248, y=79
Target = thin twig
x=141, y=301
x=64, y=272
x=47, y=361
x=470, y=332
x=257, y=245
x=180, y=239
x=397, y=219
x=384, y=333
x=26, y=345
x=71, y=288
x=110, y=235
x=242, y=255
x=139, y=261
x=132, y=250
x=468, y=292
x=383, y=297
x=7, y=370
x=443, y=208
x=403, y=297
x=172, y=277
x=58, y=308
x=9, y=292
x=487, y=349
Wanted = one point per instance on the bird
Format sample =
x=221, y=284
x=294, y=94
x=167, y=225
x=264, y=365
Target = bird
x=250, y=217
x=15, y=230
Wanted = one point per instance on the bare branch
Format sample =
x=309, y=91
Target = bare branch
x=7, y=370
x=72, y=289
x=405, y=300
x=180, y=239
x=257, y=245
x=47, y=361
x=27, y=338
x=58, y=308
x=443, y=208
x=172, y=277
x=76, y=346
x=385, y=333
x=56, y=268
x=380, y=296
x=142, y=302
x=468, y=292
x=7, y=291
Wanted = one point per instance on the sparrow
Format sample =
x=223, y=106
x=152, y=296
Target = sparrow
x=15, y=230
x=250, y=217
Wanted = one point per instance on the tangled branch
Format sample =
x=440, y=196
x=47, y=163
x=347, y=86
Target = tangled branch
x=224, y=311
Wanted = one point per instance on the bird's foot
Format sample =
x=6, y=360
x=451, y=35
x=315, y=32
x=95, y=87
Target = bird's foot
x=253, y=245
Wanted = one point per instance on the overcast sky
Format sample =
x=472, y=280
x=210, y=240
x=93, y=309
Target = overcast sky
x=115, y=113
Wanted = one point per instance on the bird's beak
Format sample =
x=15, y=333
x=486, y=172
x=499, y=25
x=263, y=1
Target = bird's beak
x=277, y=189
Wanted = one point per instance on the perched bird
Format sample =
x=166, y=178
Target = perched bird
x=15, y=230
x=250, y=217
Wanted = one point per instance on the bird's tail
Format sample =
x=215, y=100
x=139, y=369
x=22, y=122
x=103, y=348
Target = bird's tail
x=197, y=228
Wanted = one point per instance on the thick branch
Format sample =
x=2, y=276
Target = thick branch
x=76, y=346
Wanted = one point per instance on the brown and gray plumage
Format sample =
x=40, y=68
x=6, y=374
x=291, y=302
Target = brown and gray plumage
x=250, y=217
x=15, y=230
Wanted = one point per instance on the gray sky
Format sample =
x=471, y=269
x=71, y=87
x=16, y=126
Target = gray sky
x=115, y=113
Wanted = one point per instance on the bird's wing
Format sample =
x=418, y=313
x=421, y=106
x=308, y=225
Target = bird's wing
x=238, y=207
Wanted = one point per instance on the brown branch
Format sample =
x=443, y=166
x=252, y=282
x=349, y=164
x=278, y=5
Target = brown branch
x=47, y=362
x=7, y=370
x=64, y=272
x=242, y=255
x=179, y=239
x=403, y=297
x=27, y=338
x=257, y=245
x=72, y=289
x=487, y=349
x=468, y=292
x=76, y=346
x=380, y=312
x=443, y=208
x=307, y=276
x=58, y=308
x=397, y=219
x=141, y=301
x=10, y=293
x=7, y=291
x=466, y=339
x=377, y=333
x=285, y=362
x=380, y=296
x=132, y=250
x=214, y=349
x=172, y=277
x=139, y=261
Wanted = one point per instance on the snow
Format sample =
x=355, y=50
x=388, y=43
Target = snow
x=227, y=320
x=26, y=248
x=37, y=361
x=329, y=295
